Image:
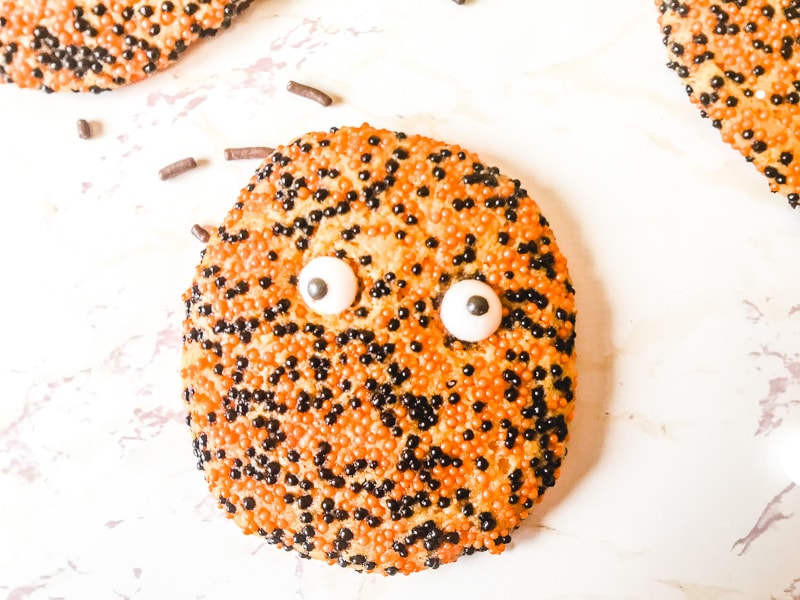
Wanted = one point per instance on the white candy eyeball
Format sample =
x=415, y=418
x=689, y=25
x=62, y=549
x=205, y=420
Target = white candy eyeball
x=328, y=285
x=471, y=310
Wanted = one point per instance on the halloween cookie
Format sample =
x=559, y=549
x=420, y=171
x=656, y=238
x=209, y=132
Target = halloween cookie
x=739, y=61
x=95, y=46
x=378, y=363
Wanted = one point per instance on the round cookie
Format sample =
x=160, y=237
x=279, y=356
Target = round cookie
x=378, y=363
x=99, y=45
x=739, y=62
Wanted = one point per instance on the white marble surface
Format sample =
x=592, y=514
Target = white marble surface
x=687, y=271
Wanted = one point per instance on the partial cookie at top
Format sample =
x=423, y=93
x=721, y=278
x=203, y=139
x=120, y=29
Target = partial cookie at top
x=740, y=61
x=96, y=46
x=379, y=353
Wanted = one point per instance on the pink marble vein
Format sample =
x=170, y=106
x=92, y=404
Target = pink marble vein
x=771, y=515
x=253, y=73
x=159, y=97
x=148, y=424
x=190, y=106
x=12, y=448
x=778, y=400
x=18, y=464
x=25, y=591
x=113, y=524
x=774, y=402
x=309, y=35
x=792, y=591
x=157, y=418
x=169, y=337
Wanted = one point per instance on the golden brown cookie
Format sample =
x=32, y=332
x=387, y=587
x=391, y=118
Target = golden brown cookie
x=739, y=62
x=379, y=363
x=64, y=45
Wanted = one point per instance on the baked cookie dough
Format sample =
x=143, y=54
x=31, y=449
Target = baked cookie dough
x=59, y=45
x=379, y=361
x=740, y=62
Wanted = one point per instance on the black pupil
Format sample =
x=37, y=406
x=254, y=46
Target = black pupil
x=477, y=305
x=317, y=288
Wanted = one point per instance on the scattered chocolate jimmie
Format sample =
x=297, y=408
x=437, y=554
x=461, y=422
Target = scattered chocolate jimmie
x=84, y=129
x=247, y=153
x=201, y=233
x=309, y=92
x=177, y=168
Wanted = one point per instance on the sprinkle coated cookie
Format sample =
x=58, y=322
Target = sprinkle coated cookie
x=378, y=364
x=740, y=60
x=59, y=45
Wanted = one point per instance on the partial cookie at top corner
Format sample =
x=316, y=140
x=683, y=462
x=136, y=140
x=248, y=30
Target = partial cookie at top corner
x=97, y=46
x=739, y=63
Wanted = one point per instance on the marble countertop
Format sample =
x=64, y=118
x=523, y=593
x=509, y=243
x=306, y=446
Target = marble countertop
x=686, y=268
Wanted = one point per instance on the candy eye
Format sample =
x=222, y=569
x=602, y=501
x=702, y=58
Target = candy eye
x=327, y=285
x=471, y=311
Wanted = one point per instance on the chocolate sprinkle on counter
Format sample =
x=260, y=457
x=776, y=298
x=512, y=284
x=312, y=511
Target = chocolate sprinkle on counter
x=372, y=437
x=309, y=92
x=84, y=129
x=177, y=168
x=201, y=233
x=248, y=153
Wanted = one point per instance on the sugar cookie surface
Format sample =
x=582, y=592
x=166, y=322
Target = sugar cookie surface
x=366, y=434
x=740, y=63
